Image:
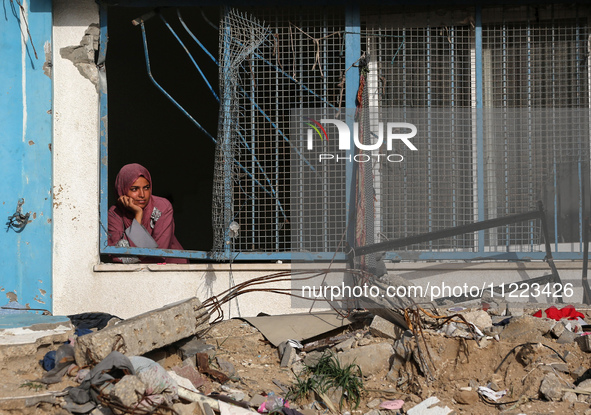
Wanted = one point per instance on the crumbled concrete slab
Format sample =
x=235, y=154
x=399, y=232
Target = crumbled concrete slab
x=551, y=387
x=22, y=334
x=128, y=390
x=370, y=359
x=515, y=309
x=479, y=318
x=380, y=327
x=194, y=346
x=526, y=329
x=145, y=332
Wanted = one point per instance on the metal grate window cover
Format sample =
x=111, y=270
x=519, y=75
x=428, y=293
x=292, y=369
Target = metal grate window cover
x=533, y=136
x=299, y=65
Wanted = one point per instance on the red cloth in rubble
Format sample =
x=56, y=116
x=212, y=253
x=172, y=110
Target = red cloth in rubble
x=556, y=314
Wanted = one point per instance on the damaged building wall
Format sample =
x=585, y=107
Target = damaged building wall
x=81, y=283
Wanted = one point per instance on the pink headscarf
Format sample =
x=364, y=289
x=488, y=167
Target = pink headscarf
x=126, y=177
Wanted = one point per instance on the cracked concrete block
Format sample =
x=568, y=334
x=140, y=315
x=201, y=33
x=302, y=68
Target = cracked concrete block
x=145, y=332
x=370, y=359
x=193, y=346
x=22, y=335
x=479, y=318
x=128, y=391
x=515, y=310
x=380, y=327
x=551, y=387
x=287, y=353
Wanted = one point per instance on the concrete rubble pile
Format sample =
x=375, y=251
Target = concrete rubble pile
x=491, y=357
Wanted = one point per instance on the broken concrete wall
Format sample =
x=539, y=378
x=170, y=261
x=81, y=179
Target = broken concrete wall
x=143, y=333
x=83, y=56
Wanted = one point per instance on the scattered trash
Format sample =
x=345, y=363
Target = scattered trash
x=426, y=408
x=392, y=405
x=491, y=394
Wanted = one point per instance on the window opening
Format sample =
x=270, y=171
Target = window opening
x=529, y=142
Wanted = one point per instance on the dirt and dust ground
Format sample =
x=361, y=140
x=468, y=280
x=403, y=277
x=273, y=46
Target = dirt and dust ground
x=457, y=365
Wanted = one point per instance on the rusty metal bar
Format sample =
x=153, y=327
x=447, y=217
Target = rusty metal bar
x=445, y=233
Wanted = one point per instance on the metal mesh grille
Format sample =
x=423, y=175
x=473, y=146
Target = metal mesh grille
x=423, y=62
x=298, y=67
x=532, y=59
x=535, y=73
x=425, y=68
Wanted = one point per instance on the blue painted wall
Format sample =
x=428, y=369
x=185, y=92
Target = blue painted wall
x=25, y=152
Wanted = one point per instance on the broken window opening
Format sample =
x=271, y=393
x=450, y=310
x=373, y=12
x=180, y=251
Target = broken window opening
x=532, y=59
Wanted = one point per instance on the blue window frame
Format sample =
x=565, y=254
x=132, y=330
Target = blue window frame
x=485, y=68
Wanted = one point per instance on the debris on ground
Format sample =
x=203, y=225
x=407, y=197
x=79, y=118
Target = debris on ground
x=470, y=359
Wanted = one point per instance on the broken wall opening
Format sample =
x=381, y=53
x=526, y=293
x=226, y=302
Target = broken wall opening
x=145, y=127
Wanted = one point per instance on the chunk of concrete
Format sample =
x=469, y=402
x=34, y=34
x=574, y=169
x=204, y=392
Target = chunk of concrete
x=128, y=391
x=312, y=358
x=23, y=337
x=567, y=337
x=551, y=387
x=464, y=397
x=195, y=345
x=558, y=329
x=190, y=373
x=226, y=367
x=346, y=345
x=288, y=354
x=585, y=385
x=479, y=318
x=583, y=341
x=526, y=329
x=370, y=359
x=374, y=403
x=569, y=397
x=515, y=309
x=145, y=332
x=22, y=334
x=380, y=327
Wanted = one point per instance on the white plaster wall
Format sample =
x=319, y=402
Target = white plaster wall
x=75, y=164
x=81, y=284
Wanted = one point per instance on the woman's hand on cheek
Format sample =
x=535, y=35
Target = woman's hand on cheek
x=128, y=204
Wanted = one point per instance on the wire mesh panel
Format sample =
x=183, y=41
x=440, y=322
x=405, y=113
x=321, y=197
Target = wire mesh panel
x=499, y=127
x=532, y=59
x=421, y=62
x=299, y=66
x=536, y=79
